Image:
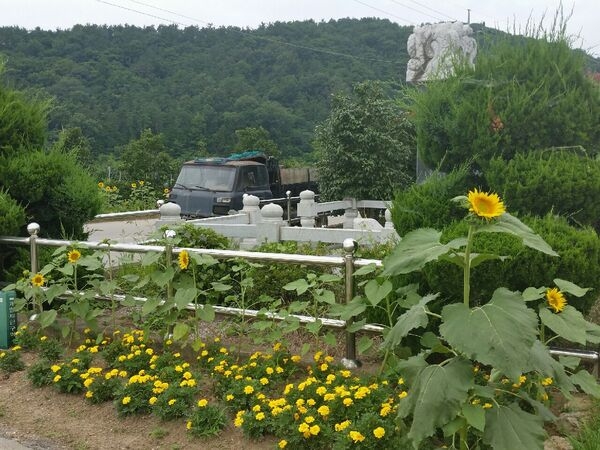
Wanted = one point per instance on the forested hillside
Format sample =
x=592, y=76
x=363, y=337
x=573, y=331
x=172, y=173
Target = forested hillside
x=197, y=86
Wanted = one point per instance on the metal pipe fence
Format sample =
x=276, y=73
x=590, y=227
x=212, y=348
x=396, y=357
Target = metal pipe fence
x=348, y=263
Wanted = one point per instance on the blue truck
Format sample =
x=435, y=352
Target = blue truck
x=208, y=187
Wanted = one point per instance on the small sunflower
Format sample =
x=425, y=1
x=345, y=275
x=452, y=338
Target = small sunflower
x=556, y=300
x=101, y=185
x=38, y=280
x=184, y=259
x=73, y=256
x=485, y=205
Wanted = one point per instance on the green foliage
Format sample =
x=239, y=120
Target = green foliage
x=55, y=191
x=522, y=94
x=258, y=138
x=365, y=147
x=10, y=360
x=579, y=249
x=555, y=180
x=191, y=236
x=23, y=121
x=427, y=205
x=207, y=420
x=147, y=159
x=12, y=218
x=588, y=437
x=40, y=374
x=197, y=85
x=505, y=406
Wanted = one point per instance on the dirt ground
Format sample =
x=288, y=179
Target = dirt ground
x=44, y=419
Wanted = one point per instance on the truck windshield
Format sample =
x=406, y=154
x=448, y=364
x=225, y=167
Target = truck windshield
x=214, y=178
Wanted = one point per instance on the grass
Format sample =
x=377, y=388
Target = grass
x=589, y=436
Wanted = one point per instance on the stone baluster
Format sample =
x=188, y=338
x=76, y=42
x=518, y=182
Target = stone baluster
x=269, y=230
x=307, y=209
x=251, y=208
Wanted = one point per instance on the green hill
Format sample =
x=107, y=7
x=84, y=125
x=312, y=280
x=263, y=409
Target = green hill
x=200, y=85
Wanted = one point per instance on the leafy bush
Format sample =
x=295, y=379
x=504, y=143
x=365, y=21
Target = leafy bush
x=12, y=218
x=427, y=205
x=556, y=180
x=579, y=251
x=523, y=94
x=57, y=193
x=191, y=236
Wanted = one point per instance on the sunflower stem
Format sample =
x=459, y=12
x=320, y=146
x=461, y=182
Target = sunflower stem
x=467, y=270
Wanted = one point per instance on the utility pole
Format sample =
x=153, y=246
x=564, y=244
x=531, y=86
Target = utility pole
x=468, y=16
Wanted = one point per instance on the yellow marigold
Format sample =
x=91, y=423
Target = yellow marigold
x=260, y=416
x=184, y=259
x=315, y=429
x=347, y=401
x=38, y=280
x=402, y=394
x=342, y=425
x=556, y=300
x=485, y=205
x=264, y=381
x=89, y=394
x=88, y=382
x=152, y=400
x=238, y=421
x=57, y=378
x=323, y=410
x=73, y=256
x=356, y=436
x=172, y=401
x=229, y=397
x=188, y=425
x=248, y=390
x=379, y=432
x=303, y=427
x=282, y=443
x=386, y=408
x=202, y=402
x=55, y=368
x=547, y=381
x=126, y=400
x=296, y=358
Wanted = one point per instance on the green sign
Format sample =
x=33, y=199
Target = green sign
x=8, y=318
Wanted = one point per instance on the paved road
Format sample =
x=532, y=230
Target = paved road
x=131, y=231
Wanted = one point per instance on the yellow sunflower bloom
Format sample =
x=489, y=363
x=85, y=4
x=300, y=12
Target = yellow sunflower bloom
x=184, y=260
x=38, y=280
x=556, y=300
x=73, y=256
x=485, y=205
x=101, y=185
x=133, y=185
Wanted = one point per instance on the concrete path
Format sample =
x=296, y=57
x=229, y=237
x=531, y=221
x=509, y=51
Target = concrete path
x=131, y=231
x=6, y=444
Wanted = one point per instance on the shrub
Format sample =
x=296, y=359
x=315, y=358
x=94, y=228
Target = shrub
x=57, y=193
x=427, y=205
x=579, y=251
x=191, y=236
x=556, y=180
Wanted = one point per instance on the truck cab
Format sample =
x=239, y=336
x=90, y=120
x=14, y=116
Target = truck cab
x=210, y=187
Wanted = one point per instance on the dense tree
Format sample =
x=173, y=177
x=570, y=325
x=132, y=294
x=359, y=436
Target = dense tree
x=258, y=138
x=195, y=85
x=366, y=146
x=48, y=187
x=146, y=159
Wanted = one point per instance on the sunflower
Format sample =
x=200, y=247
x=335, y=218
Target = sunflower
x=485, y=205
x=101, y=185
x=73, y=256
x=184, y=259
x=556, y=300
x=38, y=280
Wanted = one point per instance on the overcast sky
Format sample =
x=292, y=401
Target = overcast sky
x=502, y=14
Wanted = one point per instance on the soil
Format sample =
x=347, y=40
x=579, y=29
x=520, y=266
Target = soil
x=44, y=419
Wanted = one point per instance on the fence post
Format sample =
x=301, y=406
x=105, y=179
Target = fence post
x=307, y=209
x=33, y=229
x=269, y=230
x=288, y=195
x=350, y=213
x=350, y=246
x=251, y=208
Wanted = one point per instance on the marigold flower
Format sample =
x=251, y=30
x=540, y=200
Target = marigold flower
x=260, y=416
x=38, y=280
x=188, y=425
x=152, y=400
x=73, y=256
x=126, y=400
x=547, y=381
x=485, y=205
x=556, y=300
x=89, y=394
x=172, y=401
x=248, y=390
x=379, y=432
x=323, y=410
x=57, y=378
x=184, y=259
x=342, y=425
x=202, y=402
x=282, y=443
x=356, y=436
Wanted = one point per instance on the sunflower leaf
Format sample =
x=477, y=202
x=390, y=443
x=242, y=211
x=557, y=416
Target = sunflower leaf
x=499, y=333
x=511, y=225
x=569, y=323
x=437, y=396
x=571, y=288
x=416, y=249
x=509, y=427
x=415, y=317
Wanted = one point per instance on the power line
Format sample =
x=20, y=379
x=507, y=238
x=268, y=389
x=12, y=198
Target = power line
x=414, y=9
x=384, y=12
x=431, y=9
x=254, y=36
